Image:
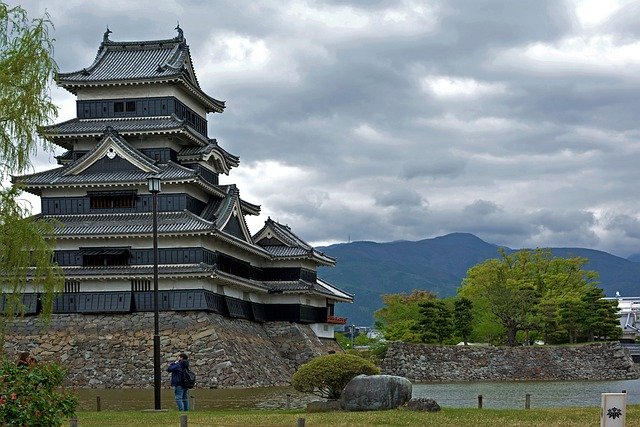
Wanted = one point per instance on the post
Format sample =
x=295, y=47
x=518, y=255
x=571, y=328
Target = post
x=73, y=422
x=184, y=420
x=98, y=404
x=613, y=412
x=527, y=401
x=154, y=189
x=288, y=401
x=479, y=401
x=300, y=422
x=353, y=332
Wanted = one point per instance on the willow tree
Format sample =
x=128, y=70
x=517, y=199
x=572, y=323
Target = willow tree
x=26, y=71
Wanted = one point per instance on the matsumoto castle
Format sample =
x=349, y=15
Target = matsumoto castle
x=142, y=114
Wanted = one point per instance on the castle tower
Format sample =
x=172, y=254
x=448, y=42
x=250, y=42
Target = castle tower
x=141, y=113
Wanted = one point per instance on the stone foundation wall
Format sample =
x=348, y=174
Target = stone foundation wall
x=423, y=362
x=105, y=351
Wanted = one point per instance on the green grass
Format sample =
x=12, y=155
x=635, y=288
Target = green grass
x=560, y=417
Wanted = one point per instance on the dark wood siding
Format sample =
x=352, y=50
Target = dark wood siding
x=145, y=256
x=141, y=107
x=143, y=203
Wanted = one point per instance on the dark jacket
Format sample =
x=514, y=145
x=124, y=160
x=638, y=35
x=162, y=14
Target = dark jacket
x=176, y=371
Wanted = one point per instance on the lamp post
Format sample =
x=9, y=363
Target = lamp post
x=154, y=189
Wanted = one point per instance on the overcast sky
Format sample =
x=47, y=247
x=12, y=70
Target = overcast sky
x=384, y=120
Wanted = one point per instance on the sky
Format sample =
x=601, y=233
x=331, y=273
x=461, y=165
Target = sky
x=516, y=121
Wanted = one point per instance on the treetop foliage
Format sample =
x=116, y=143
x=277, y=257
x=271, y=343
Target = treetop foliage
x=518, y=297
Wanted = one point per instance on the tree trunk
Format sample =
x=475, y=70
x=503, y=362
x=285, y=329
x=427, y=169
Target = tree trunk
x=511, y=337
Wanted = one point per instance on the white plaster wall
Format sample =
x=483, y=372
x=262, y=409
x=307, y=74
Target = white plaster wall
x=322, y=330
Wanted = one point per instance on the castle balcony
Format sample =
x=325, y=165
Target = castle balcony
x=337, y=320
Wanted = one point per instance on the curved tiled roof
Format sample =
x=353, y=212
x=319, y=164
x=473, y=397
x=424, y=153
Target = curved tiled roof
x=128, y=224
x=280, y=241
x=197, y=153
x=295, y=286
x=57, y=177
x=285, y=251
x=137, y=270
x=126, y=125
x=138, y=62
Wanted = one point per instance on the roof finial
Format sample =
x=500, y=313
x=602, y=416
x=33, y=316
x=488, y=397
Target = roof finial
x=179, y=30
x=105, y=37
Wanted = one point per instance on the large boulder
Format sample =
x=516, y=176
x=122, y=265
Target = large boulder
x=375, y=392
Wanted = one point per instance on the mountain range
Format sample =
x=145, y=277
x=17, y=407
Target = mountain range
x=368, y=269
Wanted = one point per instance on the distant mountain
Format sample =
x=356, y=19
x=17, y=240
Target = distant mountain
x=369, y=269
x=634, y=257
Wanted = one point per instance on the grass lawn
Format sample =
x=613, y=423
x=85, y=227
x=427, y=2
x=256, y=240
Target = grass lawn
x=565, y=417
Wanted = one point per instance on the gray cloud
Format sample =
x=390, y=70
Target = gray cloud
x=515, y=121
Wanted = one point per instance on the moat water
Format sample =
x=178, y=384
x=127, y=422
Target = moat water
x=449, y=395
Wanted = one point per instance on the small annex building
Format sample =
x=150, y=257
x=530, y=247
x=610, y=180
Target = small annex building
x=141, y=113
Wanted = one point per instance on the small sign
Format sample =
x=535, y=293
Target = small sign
x=613, y=410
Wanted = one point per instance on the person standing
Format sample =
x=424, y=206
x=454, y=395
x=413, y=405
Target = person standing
x=181, y=393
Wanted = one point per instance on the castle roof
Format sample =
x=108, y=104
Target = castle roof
x=281, y=242
x=139, y=168
x=141, y=62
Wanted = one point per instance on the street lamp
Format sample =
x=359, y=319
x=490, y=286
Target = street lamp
x=154, y=188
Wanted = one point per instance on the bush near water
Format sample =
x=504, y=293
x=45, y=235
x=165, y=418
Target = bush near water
x=326, y=376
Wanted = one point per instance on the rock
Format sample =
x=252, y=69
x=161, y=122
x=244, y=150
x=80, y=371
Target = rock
x=375, y=392
x=323, y=406
x=423, y=404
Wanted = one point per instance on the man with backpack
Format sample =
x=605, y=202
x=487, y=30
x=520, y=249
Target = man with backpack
x=179, y=370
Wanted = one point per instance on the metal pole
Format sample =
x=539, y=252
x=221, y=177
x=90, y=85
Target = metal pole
x=156, y=309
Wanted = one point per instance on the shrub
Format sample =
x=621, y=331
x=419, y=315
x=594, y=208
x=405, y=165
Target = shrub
x=326, y=376
x=31, y=396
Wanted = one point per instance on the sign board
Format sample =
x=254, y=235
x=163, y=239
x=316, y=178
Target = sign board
x=613, y=410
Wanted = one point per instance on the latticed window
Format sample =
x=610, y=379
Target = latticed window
x=71, y=286
x=113, y=201
x=140, y=285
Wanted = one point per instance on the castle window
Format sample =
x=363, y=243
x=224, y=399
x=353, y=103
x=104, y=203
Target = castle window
x=113, y=201
x=131, y=106
x=104, y=257
x=71, y=286
x=118, y=107
x=140, y=285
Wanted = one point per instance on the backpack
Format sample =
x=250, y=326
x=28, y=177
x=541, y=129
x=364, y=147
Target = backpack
x=188, y=378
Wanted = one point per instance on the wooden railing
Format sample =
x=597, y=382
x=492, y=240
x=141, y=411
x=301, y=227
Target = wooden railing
x=337, y=320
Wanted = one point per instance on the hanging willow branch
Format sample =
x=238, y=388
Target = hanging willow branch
x=26, y=242
x=27, y=68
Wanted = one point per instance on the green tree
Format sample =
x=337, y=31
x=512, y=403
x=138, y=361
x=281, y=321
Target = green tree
x=514, y=287
x=399, y=318
x=463, y=318
x=599, y=317
x=26, y=71
x=326, y=376
x=436, y=324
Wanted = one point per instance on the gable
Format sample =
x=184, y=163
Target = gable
x=106, y=164
x=113, y=148
x=234, y=224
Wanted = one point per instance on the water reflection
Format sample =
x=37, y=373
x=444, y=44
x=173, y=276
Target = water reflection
x=451, y=395
x=512, y=394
